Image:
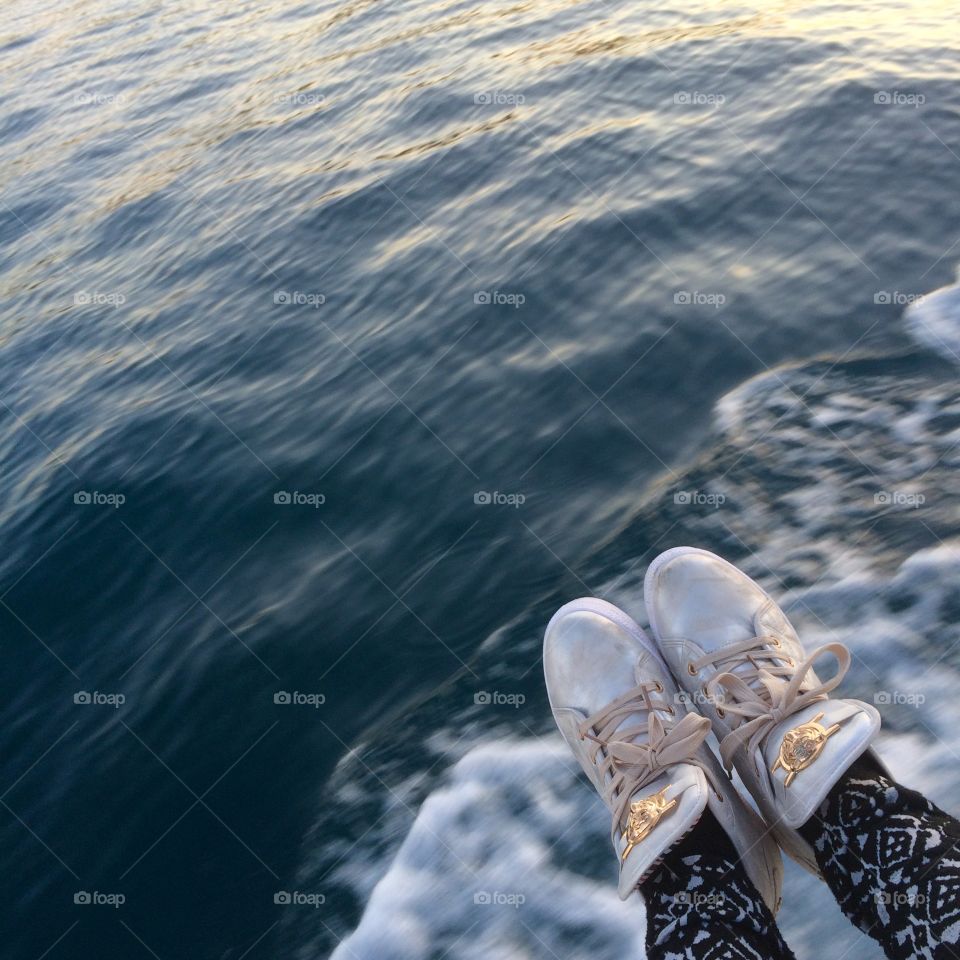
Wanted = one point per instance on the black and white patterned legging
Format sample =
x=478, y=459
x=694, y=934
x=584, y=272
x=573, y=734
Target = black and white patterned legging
x=890, y=857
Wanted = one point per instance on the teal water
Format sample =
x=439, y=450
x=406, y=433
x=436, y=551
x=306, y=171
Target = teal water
x=340, y=343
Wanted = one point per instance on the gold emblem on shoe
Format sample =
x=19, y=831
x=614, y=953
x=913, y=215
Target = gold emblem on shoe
x=644, y=815
x=802, y=745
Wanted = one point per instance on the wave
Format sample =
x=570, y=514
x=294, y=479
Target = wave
x=832, y=482
x=934, y=321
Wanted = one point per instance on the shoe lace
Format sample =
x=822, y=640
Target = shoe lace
x=626, y=766
x=766, y=689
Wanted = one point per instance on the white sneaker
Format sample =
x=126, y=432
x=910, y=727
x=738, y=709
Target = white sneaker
x=734, y=651
x=620, y=712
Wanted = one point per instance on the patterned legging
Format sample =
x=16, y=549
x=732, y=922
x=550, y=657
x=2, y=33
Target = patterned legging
x=889, y=856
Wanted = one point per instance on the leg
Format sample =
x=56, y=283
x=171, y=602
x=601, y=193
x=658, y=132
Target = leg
x=892, y=860
x=701, y=905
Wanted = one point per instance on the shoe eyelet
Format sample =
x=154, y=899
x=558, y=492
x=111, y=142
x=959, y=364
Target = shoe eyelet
x=670, y=710
x=658, y=686
x=775, y=642
x=721, y=713
x=790, y=662
x=690, y=669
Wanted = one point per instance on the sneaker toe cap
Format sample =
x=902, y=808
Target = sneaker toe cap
x=697, y=595
x=588, y=660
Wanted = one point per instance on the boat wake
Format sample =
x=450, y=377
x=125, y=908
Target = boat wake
x=833, y=482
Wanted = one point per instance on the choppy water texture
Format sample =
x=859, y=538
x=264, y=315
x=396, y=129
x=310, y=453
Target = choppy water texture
x=340, y=343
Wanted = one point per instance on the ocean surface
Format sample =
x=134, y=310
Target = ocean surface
x=340, y=343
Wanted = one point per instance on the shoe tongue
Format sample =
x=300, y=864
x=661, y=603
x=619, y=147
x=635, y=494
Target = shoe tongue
x=646, y=670
x=812, y=749
x=770, y=621
x=767, y=621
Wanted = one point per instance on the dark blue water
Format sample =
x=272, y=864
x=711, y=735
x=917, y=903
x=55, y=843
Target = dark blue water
x=381, y=261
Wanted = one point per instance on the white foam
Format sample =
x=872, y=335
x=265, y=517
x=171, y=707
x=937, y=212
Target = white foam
x=934, y=321
x=513, y=817
x=902, y=641
x=485, y=870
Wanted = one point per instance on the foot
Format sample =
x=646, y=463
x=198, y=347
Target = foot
x=621, y=714
x=735, y=653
